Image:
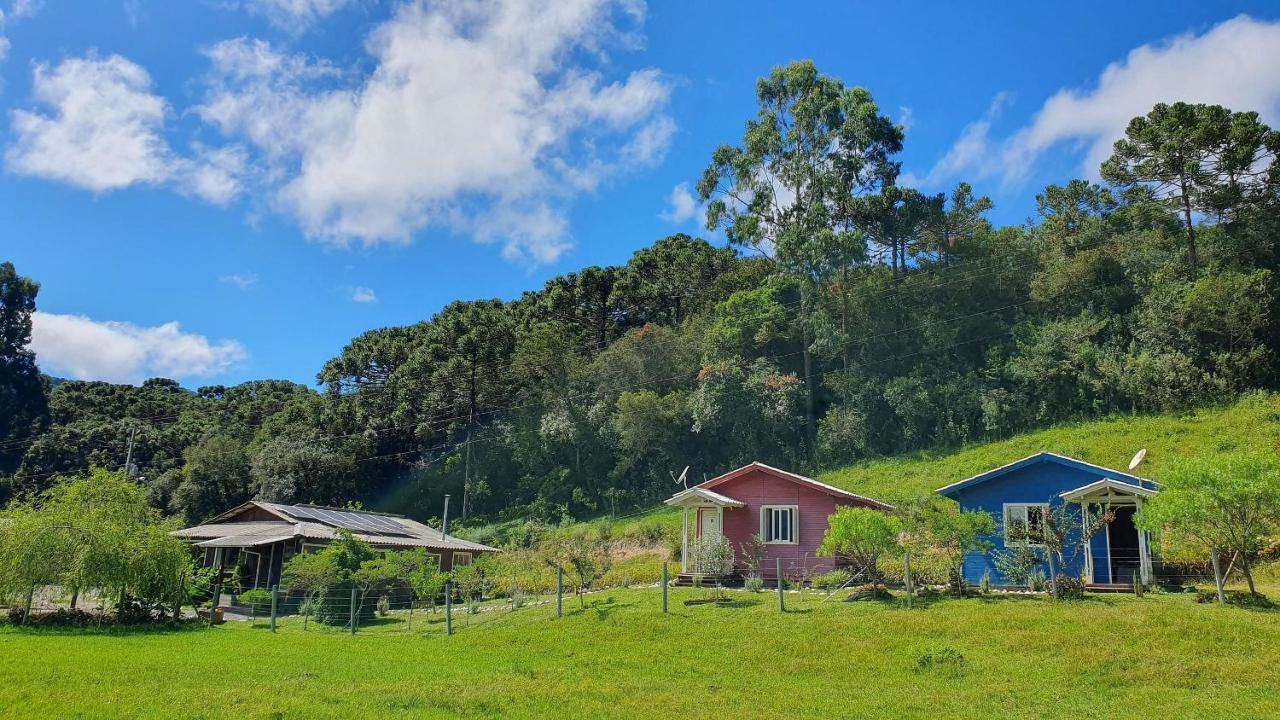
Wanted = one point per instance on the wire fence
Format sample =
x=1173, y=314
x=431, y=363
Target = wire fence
x=363, y=610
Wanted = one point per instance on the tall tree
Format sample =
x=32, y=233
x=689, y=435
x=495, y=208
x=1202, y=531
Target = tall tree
x=23, y=404
x=812, y=145
x=1199, y=159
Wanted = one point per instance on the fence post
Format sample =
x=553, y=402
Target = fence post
x=906, y=564
x=213, y=603
x=27, y=612
x=1217, y=576
x=1053, y=574
x=782, y=603
x=275, y=592
x=448, y=608
x=559, y=591
x=353, y=611
x=664, y=588
x=410, y=613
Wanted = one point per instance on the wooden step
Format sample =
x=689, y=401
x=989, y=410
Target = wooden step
x=1109, y=587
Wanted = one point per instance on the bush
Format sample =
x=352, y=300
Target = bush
x=62, y=617
x=257, y=599
x=755, y=583
x=1070, y=588
x=832, y=580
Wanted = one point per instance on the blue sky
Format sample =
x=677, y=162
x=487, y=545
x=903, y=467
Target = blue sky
x=233, y=189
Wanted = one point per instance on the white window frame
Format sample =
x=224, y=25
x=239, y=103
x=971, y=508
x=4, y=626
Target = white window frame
x=309, y=548
x=454, y=560
x=438, y=557
x=794, y=526
x=1004, y=519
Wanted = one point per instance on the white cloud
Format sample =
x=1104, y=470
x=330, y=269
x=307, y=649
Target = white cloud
x=483, y=118
x=972, y=152
x=1235, y=64
x=295, y=14
x=244, y=281
x=681, y=205
x=215, y=174
x=363, y=295
x=25, y=8
x=906, y=118
x=87, y=349
x=102, y=129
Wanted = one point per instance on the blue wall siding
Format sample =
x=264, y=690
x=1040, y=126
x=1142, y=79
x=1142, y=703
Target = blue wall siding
x=1041, y=482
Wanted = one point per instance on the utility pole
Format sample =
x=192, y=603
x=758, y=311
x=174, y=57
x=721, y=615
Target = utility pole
x=128, y=455
x=444, y=524
x=466, y=473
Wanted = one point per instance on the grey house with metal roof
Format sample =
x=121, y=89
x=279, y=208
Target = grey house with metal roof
x=259, y=537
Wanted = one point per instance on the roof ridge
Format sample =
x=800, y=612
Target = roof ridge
x=341, y=509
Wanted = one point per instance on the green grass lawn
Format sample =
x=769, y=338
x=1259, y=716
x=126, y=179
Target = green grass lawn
x=1108, y=656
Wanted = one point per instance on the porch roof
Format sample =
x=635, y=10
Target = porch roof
x=1106, y=488
x=244, y=541
x=702, y=496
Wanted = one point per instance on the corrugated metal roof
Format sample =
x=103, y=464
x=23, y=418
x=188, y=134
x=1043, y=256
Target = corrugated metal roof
x=244, y=541
x=322, y=524
x=232, y=528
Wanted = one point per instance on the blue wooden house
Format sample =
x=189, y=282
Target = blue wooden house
x=1020, y=495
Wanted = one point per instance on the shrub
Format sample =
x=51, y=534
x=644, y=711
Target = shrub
x=1070, y=588
x=755, y=583
x=832, y=580
x=257, y=599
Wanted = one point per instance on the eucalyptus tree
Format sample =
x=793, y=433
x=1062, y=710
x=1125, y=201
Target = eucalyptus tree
x=785, y=191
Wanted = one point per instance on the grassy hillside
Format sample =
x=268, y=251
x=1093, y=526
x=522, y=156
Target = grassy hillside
x=1023, y=657
x=1252, y=422
x=650, y=536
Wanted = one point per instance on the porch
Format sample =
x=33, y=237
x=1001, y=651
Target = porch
x=708, y=518
x=1119, y=554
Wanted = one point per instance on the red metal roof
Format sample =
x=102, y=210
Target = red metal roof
x=793, y=477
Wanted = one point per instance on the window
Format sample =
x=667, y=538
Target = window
x=434, y=559
x=461, y=559
x=1024, y=523
x=778, y=524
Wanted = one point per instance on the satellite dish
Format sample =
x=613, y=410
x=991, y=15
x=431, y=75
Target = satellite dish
x=1138, y=458
x=681, y=480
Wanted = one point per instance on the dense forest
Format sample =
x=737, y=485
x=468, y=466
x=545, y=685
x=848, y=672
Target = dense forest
x=846, y=316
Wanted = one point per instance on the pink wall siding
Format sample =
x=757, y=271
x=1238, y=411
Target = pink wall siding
x=758, y=488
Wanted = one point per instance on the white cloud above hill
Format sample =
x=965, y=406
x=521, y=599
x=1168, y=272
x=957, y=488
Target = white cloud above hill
x=79, y=347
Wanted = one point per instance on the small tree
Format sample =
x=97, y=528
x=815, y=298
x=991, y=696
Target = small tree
x=711, y=555
x=860, y=536
x=1227, y=503
x=311, y=574
x=95, y=533
x=753, y=555
x=941, y=529
x=588, y=556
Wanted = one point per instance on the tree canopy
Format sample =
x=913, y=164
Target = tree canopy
x=849, y=315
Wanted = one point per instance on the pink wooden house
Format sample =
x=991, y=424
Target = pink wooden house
x=788, y=511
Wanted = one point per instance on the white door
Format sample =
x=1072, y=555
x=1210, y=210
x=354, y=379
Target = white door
x=710, y=522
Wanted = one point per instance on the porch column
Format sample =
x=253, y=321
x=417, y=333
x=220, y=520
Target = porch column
x=1087, y=543
x=684, y=541
x=1144, y=556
